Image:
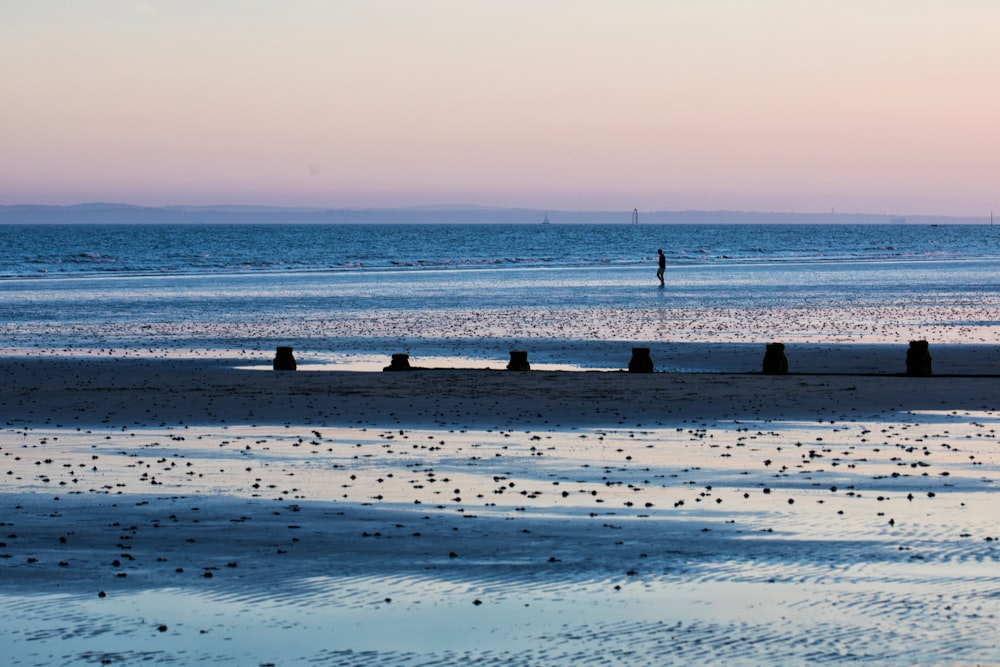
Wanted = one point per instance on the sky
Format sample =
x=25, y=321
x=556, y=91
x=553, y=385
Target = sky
x=865, y=106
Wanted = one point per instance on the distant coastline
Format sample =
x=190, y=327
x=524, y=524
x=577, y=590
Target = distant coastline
x=113, y=213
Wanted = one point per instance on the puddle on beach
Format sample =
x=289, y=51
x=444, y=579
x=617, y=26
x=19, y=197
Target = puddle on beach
x=257, y=360
x=746, y=542
x=376, y=363
x=657, y=620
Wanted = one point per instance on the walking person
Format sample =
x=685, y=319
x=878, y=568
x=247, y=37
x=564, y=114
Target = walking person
x=663, y=266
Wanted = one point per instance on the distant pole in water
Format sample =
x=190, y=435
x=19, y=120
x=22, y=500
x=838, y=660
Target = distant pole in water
x=635, y=216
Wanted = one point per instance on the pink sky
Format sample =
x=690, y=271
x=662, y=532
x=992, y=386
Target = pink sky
x=880, y=106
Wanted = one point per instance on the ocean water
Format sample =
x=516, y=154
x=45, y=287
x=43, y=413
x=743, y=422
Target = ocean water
x=102, y=250
x=351, y=295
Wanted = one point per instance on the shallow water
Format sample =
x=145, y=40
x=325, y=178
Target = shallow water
x=669, y=620
x=467, y=295
x=474, y=318
x=745, y=542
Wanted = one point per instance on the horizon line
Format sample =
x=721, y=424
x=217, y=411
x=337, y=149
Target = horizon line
x=483, y=207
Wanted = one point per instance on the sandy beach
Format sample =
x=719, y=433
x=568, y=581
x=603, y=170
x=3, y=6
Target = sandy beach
x=189, y=511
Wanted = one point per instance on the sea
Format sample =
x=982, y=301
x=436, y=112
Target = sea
x=575, y=295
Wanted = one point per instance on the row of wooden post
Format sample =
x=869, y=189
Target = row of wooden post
x=918, y=360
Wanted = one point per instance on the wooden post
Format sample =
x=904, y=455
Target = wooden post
x=518, y=361
x=918, y=359
x=400, y=362
x=775, y=362
x=641, y=361
x=284, y=360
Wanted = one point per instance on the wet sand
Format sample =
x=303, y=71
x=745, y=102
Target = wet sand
x=188, y=511
x=142, y=393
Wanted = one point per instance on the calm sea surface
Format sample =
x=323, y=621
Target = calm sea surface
x=439, y=288
x=101, y=250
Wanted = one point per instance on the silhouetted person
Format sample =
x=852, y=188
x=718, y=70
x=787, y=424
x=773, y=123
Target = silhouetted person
x=663, y=266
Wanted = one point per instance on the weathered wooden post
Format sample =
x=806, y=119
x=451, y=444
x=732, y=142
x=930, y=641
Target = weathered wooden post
x=284, y=360
x=641, y=361
x=400, y=362
x=518, y=361
x=918, y=358
x=775, y=362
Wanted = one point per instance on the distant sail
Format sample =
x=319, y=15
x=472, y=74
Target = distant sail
x=546, y=220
